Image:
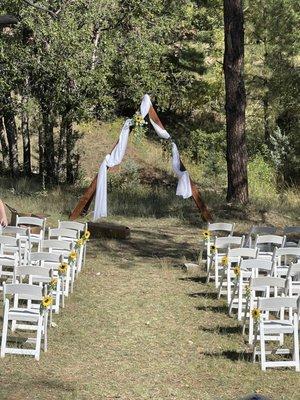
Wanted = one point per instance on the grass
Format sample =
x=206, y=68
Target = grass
x=138, y=327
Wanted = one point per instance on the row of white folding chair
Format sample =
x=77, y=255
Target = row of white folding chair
x=28, y=317
x=271, y=328
x=252, y=267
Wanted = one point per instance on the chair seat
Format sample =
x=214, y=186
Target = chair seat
x=278, y=326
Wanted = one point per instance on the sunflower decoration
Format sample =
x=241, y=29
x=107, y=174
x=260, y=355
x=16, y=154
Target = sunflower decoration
x=206, y=234
x=138, y=127
x=213, y=249
x=224, y=261
x=86, y=235
x=72, y=256
x=237, y=271
x=79, y=243
x=63, y=268
x=53, y=284
x=256, y=314
x=46, y=302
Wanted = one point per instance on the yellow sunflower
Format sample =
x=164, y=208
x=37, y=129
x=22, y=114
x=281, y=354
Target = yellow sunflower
x=79, y=242
x=224, y=261
x=47, y=301
x=86, y=235
x=256, y=313
x=53, y=283
x=72, y=255
x=237, y=271
x=206, y=234
x=213, y=248
x=63, y=268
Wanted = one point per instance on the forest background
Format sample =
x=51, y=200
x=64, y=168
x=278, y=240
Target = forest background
x=65, y=64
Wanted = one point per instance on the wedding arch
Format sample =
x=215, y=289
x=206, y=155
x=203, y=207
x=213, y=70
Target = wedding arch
x=98, y=187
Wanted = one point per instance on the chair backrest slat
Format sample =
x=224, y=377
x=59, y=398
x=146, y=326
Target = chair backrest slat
x=78, y=226
x=276, y=303
x=267, y=281
x=242, y=252
x=257, y=263
x=23, y=290
x=225, y=242
x=32, y=221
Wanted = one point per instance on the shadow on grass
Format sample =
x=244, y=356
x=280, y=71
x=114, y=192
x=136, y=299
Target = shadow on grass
x=232, y=355
x=222, y=309
x=206, y=295
x=197, y=279
x=150, y=245
x=223, y=330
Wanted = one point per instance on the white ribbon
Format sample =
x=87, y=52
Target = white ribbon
x=110, y=160
x=184, y=188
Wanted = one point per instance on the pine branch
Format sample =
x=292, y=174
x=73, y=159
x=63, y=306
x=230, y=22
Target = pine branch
x=41, y=8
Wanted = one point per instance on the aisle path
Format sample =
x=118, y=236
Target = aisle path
x=138, y=327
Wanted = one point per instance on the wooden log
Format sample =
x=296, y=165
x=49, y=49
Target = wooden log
x=108, y=230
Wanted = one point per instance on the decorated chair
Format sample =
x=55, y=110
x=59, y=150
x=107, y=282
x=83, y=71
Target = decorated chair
x=293, y=279
x=266, y=327
x=25, y=317
x=81, y=228
x=231, y=272
x=213, y=230
x=61, y=272
x=263, y=286
x=219, y=250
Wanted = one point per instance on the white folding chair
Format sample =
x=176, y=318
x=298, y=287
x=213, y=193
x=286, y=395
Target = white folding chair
x=53, y=261
x=70, y=235
x=234, y=282
x=267, y=243
x=8, y=263
x=63, y=248
x=263, y=286
x=33, y=223
x=221, y=245
x=258, y=230
x=80, y=227
x=283, y=257
x=293, y=279
x=31, y=319
x=267, y=328
x=10, y=245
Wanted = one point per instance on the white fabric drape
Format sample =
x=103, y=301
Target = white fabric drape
x=184, y=188
x=110, y=160
x=184, y=184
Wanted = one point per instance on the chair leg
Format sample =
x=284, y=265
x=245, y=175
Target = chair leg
x=262, y=347
x=233, y=297
x=4, y=332
x=38, y=338
x=296, y=343
x=221, y=282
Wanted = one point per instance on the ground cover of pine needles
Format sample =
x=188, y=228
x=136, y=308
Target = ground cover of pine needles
x=138, y=327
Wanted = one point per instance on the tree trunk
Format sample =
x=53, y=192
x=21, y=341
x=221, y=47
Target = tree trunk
x=72, y=163
x=11, y=133
x=4, y=148
x=61, y=162
x=237, y=189
x=48, y=153
x=26, y=138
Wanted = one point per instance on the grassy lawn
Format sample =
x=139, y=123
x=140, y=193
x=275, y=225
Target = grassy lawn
x=138, y=327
